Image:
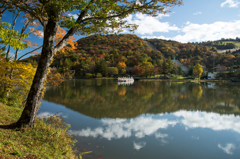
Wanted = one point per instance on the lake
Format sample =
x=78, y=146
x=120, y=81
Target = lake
x=149, y=119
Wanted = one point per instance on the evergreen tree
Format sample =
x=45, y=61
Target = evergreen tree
x=101, y=67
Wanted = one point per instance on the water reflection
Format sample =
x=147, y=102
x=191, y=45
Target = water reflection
x=126, y=83
x=139, y=145
x=212, y=121
x=143, y=126
x=110, y=100
x=149, y=119
x=119, y=128
x=229, y=148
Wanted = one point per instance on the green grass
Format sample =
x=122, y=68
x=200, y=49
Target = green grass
x=48, y=139
x=234, y=42
x=171, y=77
x=177, y=77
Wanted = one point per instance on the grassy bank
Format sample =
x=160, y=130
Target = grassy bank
x=43, y=141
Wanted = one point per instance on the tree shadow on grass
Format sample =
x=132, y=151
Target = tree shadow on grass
x=10, y=126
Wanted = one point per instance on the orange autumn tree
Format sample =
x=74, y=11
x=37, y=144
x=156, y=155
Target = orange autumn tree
x=72, y=44
x=121, y=67
x=54, y=77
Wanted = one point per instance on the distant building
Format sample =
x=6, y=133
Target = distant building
x=212, y=75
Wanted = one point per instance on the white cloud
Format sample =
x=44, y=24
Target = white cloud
x=197, y=13
x=187, y=23
x=149, y=25
x=119, y=128
x=139, y=3
x=156, y=37
x=231, y=3
x=204, y=32
x=229, y=148
x=139, y=145
x=75, y=16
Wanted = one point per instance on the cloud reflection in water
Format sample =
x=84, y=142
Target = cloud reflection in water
x=139, y=145
x=212, y=121
x=118, y=128
x=229, y=148
x=143, y=126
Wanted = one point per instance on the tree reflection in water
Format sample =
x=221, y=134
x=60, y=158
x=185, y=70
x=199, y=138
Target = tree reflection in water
x=107, y=99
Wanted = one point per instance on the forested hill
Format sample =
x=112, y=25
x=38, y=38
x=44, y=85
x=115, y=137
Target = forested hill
x=192, y=53
x=113, y=55
x=97, y=44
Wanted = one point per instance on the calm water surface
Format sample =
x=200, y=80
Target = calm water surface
x=149, y=120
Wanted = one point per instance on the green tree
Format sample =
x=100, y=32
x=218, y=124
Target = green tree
x=113, y=70
x=101, y=67
x=197, y=70
x=8, y=82
x=190, y=71
x=94, y=16
x=129, y=53
x=180, y=71
x=115, y=53
x=67, y=64
x=167, y=66
x=122, y=71
x=147, y=68
x=99, y=75
x=11, y=38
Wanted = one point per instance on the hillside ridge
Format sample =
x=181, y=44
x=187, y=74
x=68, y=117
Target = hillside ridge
x=129, y=54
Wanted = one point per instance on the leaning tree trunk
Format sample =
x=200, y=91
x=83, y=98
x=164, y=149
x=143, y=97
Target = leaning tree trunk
x=28, y=116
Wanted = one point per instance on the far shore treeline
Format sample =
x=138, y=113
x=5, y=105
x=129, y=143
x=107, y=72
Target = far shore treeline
x=127, y=54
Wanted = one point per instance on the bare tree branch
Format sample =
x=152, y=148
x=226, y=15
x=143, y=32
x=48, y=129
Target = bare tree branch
x=32, y=13
x=70, y=33
x=29, y=53
x=117, y=15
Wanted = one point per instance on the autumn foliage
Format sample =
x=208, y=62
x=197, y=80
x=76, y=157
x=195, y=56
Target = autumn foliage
x=72, y=44
x=16, y=75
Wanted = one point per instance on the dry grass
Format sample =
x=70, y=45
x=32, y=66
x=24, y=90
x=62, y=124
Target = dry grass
x=48, y=139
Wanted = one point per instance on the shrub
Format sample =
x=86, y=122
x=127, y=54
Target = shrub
x=89, y=75
x=99, y=75
x=14, y=99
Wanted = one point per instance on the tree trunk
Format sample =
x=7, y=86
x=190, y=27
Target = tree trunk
x=28, y=116
x=1, y=14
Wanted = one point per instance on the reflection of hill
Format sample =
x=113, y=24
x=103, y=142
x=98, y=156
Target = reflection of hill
x=106, y=99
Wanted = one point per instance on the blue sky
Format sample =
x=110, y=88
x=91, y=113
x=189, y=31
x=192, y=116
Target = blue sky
x=195, y=21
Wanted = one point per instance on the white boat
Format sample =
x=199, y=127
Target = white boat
x=125, y=79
